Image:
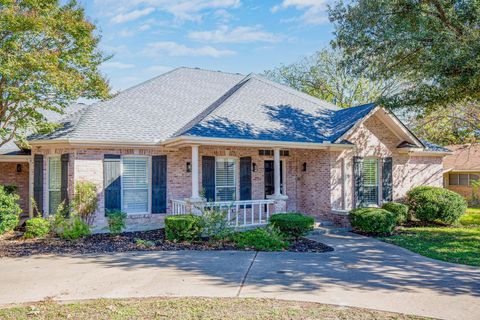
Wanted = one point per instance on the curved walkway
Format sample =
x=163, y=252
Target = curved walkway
x=361, y=272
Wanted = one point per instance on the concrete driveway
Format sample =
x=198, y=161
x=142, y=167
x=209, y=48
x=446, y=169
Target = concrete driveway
x=361, y=272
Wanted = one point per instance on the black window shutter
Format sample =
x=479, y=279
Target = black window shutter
x=208, y=177
x=64, y=178
x=358, y=180
x=159, y=184
x=112, y=182
x=387, y=179
x=246, y=178
x=38, y=183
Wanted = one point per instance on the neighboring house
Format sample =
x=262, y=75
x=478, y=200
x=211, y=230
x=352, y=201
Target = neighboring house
x=241, y=141
x=462, y=168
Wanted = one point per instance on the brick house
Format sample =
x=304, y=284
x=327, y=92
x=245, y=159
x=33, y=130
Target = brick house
x=242, y=142
x=461, y=168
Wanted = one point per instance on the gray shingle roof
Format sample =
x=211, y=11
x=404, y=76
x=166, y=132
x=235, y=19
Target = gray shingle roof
x=203, y=103
x=154, y=110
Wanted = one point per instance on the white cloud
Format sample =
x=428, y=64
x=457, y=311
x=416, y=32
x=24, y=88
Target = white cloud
x=126, y=33
x=117, y=65
x=314, y=10
x=132, y=15
x=175, y=49
x=182, y=10
x=237, y=35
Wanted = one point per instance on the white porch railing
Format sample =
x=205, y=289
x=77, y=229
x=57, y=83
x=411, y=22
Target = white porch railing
x=239, y=213
x=179, y=207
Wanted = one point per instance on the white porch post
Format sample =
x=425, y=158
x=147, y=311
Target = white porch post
x=30, y=186
x=276, y=170
x=195, y=193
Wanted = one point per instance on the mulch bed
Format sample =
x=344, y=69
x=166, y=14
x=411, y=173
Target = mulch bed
x=14, y=245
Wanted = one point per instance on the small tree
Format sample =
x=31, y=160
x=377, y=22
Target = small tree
x=85, y=201
x=475, y=200
x=9, y=210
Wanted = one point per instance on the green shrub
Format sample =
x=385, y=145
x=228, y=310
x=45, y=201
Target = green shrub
x=372, y=220
x=433, y=204
x=398, y=209
x=260, y=239
x=183, y=227
x=58, y=219
x=85, y=201
x=37, y=228
x=116, y=221
x=9, y=210
x=292, y=225
x=215, y=224
x=74, y=228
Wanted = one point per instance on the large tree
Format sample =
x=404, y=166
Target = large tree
x=49, y=57
x=324, y=76
x=433, y=44
x=458, y=124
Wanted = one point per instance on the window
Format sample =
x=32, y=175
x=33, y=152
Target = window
x=265, y=152
x=284, y=153
x=225, y=187
x=135, y=184
x=370, y=181
x=453, y=179
x=54, y=184
x=462, y=179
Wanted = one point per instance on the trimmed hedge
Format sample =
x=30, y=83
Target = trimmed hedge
x=399, y=209
x=372, y=220
x=260, y=239
x=183, y=227
x=292, y=225
x=37, y=228
x=433, y=204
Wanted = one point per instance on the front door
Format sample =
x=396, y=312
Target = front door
x=270, y=177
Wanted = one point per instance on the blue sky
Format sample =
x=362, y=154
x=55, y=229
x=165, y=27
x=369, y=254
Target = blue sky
x=150, y=37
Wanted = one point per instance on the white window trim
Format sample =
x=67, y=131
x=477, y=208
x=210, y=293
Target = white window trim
x=235, y=172
x=149, y=184
x=47, y=184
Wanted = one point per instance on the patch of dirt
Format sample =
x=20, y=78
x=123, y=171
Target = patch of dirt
x=14, y=245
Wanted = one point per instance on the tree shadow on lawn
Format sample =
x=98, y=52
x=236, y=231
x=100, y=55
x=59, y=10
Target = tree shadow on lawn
x=356, y=263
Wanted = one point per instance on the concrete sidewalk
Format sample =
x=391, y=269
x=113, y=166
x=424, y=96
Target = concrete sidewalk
x=361, y=272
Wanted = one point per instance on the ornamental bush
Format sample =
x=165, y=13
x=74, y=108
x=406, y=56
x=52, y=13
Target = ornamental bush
x=74, y=228
x=37, y=228
x=9, y=210
x=116, y=221
x=183, y=227
x=372, y=220
x=398, y=209
x=433, y=204
x=85, y=201
x=260, y=239
x=292, y=225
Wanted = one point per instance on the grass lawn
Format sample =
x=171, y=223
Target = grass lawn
x=471, y=217
x=192, y=308
x=457, y=245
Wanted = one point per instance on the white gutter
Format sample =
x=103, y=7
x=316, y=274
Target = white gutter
x=15, y=158
x=173, y=142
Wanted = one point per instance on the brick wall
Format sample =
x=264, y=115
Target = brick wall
x=10, y=176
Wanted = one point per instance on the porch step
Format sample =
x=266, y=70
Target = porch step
x=324, y=223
